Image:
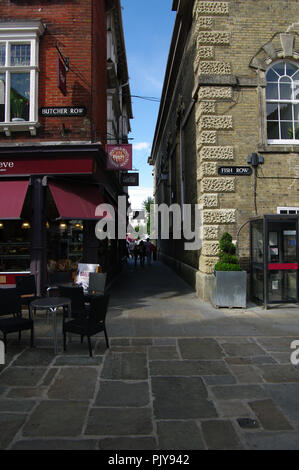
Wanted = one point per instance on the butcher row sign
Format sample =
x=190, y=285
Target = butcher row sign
x=63, y=111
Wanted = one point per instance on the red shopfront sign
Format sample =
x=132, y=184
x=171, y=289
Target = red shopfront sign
x=10, y=278
x=47, y=165
x=282, y=266
x=119, y=157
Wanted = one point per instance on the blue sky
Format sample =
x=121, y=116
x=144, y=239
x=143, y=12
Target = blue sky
x=148, y=26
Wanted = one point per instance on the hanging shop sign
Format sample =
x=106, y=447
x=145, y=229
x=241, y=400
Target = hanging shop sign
x=234, y=171
x=119, y=157
x=61, y=76
x=63, y=111
x=129, y=179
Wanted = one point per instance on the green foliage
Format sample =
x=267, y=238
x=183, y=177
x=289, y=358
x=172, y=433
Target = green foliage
x=147, y=208
x=228, y=258
x=291, y=133
x=228, y=261
x=227, y=267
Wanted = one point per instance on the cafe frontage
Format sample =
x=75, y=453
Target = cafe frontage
x=48, y=207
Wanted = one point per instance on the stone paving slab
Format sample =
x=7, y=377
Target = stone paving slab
x=221, y=435
x=230, y=392
x=179, y=435
x=56, y=444
x=56, y=418
x=125, y=366
x=181, y=398
x=204, y=348
x=179, y=374
x=122, y=394
x=270, y=416
x=11, y=422
x=188, y=368
x=132, y=399
x=119, y=421
x=279, y=373
x=22, y=376
x=127, y=443
x=272, y=441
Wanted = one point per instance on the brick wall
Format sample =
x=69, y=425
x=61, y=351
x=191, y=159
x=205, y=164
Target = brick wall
x=79, y=29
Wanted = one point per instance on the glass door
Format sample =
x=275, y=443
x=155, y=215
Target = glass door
x=282, y=267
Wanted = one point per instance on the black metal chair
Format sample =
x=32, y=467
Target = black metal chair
x=10, y=308
x=26, y=289
x=76, y=294
x=57, y=278
x=97, y=283
x=89, y=325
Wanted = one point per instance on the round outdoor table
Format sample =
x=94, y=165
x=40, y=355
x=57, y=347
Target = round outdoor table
x=51, y=304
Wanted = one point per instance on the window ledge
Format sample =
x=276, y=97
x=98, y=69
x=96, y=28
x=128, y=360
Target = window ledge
x=21, y=126
x=282, y=147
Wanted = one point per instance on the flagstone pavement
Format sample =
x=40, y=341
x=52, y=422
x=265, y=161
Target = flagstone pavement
x=179, y=375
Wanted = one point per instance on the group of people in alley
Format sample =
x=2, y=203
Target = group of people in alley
x=141, y=249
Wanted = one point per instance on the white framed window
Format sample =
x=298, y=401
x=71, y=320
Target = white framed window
x=288, y=210
x=19, y=43
x=282, y=102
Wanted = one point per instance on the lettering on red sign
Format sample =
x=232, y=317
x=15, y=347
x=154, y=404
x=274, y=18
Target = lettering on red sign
x=5, y=165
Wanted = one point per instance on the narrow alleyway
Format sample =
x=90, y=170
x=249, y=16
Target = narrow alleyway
x=179, y=375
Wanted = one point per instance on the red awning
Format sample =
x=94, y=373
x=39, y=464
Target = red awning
x=12, y=196
x=77, y=201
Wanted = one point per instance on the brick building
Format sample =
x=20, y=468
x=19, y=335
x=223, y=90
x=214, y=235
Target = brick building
x=64, y=94
x=231, y=91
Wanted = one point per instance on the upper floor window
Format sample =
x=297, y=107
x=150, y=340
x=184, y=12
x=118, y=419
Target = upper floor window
x=19, y=75
x=282, y=100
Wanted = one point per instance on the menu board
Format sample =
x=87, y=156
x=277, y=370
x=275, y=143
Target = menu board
x=84, y=270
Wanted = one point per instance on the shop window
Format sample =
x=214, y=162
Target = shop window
x=282, y=101
x=65, y=245
x=15, y=238
x=19, y=76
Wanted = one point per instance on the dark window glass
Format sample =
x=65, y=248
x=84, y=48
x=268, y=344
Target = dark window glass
x=286, y=111
x=272, y=111
x=272, y=130
x=19, y=96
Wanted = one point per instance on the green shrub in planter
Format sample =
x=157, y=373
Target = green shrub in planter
x=228, y=261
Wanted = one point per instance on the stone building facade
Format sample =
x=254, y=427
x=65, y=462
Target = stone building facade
x=230, y=90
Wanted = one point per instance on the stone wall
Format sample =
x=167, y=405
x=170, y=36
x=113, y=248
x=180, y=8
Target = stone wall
x=235, y=42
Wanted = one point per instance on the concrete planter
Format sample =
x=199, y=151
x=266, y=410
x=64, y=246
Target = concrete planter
x=229, y=289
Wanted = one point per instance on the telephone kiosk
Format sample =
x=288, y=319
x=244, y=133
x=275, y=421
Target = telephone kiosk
x=274, y=259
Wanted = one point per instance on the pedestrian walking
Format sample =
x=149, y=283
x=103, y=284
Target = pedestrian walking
x=148, y=251
x=136, y=253
x=132, y=248
x=142, y=252
x=154, y=252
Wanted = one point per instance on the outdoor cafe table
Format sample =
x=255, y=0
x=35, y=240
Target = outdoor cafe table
x=87, y=296
x=51, y=304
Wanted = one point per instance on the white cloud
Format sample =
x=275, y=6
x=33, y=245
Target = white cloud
x=138, y=195
x=141, y=146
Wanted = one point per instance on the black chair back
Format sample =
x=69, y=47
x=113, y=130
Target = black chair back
x=59, y=277
x=9, y=302
x=26, y=285
x=76, y=294
x=98, y=308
